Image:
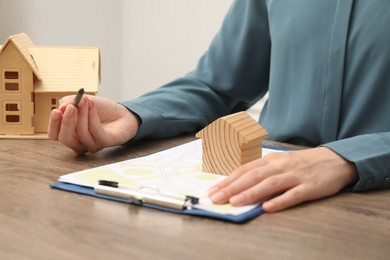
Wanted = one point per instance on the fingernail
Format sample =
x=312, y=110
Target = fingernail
x=213, y=190
x=237, y=200
x=71, y=110
x=218, y=197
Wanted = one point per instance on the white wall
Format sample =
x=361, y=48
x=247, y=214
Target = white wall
x=164, y=39
x=143, y=43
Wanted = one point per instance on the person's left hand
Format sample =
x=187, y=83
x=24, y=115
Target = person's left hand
x=282, y=180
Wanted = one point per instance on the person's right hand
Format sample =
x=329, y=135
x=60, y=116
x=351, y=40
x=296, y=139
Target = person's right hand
x=96, y=123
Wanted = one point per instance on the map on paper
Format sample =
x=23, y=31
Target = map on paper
x=176, y=170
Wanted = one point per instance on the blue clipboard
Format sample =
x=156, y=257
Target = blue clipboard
x=195, y=212
x=241, y=218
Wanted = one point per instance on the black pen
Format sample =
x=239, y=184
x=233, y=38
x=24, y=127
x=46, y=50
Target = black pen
x=78, y=97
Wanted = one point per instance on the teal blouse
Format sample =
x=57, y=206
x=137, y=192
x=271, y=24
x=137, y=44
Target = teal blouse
x=326, y=65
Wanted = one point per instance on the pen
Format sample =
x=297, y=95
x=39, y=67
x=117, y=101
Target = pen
x=78, y=97
x=138, y=196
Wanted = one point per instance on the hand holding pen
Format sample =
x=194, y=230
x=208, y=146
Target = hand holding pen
x=88, y=123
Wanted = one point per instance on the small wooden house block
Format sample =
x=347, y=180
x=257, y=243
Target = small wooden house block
x=34, y=78
x=230, y=142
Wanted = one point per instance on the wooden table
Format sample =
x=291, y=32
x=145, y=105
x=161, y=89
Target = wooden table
x=37, y=222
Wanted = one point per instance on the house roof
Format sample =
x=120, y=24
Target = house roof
x=59, y=69
x=22, y=42
x=241, y=123
x=67, y=68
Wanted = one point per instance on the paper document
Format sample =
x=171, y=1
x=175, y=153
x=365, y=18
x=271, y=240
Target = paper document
x=176, y=170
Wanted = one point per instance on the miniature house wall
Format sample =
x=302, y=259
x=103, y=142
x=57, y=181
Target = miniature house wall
x=34, y=78
x=230, y=142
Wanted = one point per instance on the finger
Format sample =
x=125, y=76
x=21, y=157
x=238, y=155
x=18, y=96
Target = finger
x=303, y=192
x=54, y=124
x=244, y=182
x=95, y=126
x=236, y=174
x=82, y=128
x=225, y=182
x=96, y=131
x=64, y=102
x=265, y=189
x=66, y=134
x=288, y=199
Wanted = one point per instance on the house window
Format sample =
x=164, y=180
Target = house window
x=11, y=74
x=11, y=80
x=12, y=118
x=54, y=103
x=11, y=86
x=11, y=107
x=12, y=112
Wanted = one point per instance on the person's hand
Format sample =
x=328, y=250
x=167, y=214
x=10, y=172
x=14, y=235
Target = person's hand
x=282, y=180
x=96, y=123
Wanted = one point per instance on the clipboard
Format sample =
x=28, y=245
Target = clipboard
x=110, y=193
x=257, y=211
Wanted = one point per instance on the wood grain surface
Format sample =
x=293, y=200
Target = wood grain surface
x=37, y=222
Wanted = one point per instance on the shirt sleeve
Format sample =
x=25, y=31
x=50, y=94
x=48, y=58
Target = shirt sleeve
x=371, y=155
x=231, y=76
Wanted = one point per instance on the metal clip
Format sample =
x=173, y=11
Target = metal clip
x=140, y=195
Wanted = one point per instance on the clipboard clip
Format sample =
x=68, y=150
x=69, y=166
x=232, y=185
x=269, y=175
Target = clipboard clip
x=145, y=194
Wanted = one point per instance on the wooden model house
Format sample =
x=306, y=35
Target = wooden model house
x=34, y=78
x=230, y=142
